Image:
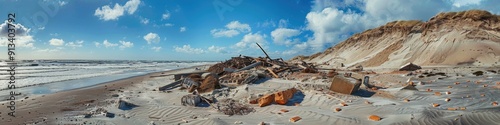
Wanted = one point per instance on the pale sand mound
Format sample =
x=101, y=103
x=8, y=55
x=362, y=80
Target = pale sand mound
x=461, y=39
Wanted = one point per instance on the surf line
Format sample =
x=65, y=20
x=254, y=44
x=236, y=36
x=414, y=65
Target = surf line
x=11, y=62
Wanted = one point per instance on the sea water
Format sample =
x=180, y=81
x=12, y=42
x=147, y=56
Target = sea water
x=50, y=76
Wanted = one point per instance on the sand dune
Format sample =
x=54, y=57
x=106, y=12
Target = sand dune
x=437, y=42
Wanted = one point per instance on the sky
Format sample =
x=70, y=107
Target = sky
x=202, y=30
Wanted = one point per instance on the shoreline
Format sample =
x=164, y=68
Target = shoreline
x=89, y=86
x=54, y=104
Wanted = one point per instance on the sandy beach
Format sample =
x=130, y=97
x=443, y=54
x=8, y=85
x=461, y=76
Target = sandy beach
x=470, y=102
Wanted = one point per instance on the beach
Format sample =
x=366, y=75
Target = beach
x=470, y=102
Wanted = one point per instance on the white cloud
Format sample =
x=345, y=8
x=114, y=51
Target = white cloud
x=145, y=21
x=97, y=44
x=188, y=49
x=460, y=3
x=126, y=44
x=131, y=6
x=56, y=42
x=224, y=33
x=156, y=48
x=267, y=23
x=41, y=28
x=182, y=29
x=283, y=23
x=54, y=34
x=217, y=49
x=165, y=16
x=48, y=50
x=23, y=38
x=169, y=24
x=232, y=29
x=62, y=3
x=239, y=26
x=78, y=43
x=250, y=39
x=109, y=44
x=281, y=36
x=152, y=38
x=21, y=41
x=297, y=48
x=107, y=13
x=20, y=29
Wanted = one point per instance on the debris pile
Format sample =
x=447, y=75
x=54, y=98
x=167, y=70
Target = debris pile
x=232, y=107
x=222, y=77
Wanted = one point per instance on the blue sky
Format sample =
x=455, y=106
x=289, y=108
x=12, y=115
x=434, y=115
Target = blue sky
x=203, y=29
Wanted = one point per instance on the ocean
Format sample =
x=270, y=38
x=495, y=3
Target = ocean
x=50, y=76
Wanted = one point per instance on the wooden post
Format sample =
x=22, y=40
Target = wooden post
x=267, y=56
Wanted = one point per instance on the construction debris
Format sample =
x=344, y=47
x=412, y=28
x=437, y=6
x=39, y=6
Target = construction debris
x=266, y=100
x=345, y=85
x=124, y=105
x=295, y=119
x=280, y=97
x=190, y=100
x=409, y=67
x=232, y=107
x=239, y=78
x=99, y=112
x=283, y=96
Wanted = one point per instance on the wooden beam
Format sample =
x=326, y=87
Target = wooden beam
x=272, y=72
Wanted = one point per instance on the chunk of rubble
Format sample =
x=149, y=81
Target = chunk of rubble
x=343, y=104
x=284, y=110
x=295, y=119
x=374, y=118
x=266, y=100
x=345, y=85
x=338, y=109
x=191, y=100
x=124, y=105
x=435, y=105
x=282, y=97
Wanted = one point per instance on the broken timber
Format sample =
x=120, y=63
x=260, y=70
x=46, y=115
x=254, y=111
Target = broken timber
x=267, y=56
